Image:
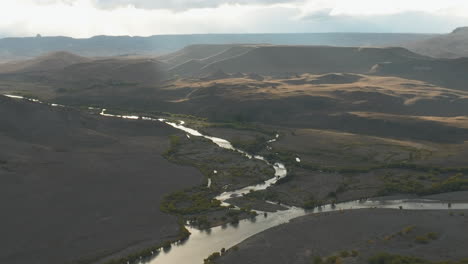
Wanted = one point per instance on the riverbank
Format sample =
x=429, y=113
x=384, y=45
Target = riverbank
x=365, y=231
x=201, y=245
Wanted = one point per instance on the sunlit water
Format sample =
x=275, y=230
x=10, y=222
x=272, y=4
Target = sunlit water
x=202, y=243
x=280, y=169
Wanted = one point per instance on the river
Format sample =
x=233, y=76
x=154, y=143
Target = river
x=203, y=243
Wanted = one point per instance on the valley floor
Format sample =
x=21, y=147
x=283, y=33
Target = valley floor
x=430, y=235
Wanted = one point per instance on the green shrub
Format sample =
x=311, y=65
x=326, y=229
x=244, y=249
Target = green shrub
x=453, y=184
x=433, y=236
x=166, y=245
x=253, y=146
x=311, y=203
x=421, y=240
x=317, y=260
x=333, y=260
x=427, y=238
x=174, y=143
x=211, y=259
x=407, y=230
x=189, y=202
x=384, y=258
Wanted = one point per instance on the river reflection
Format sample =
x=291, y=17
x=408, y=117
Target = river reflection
x=202, y=243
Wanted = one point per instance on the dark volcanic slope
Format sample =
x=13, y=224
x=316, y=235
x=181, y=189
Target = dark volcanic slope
x=367, y=231
x=450, y=73
x=310, y=59
x=191, y=59
x=74, y=186
x=196, y=52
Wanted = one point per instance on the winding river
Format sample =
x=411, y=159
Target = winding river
x=202, y=243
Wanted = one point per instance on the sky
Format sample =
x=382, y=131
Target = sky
x=86, y=18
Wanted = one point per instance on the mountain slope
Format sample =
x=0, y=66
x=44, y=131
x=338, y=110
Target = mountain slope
x=47, y=62
x=450, y=73
x=453, y=45
x=122, y=70
x=194, y=52
x=310, y=59
x=65, y=70
x=79, y=187
x=195, y=61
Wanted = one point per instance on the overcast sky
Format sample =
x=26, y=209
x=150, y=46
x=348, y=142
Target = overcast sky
x=85, y=18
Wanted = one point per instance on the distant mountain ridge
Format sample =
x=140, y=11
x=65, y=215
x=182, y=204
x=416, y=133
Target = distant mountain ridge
x=211, y=62
x=20, y=48
x=462, y=30
x=283, y=59
x=452, y=45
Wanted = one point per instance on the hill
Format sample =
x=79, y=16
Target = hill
x=22, y=48
x=115, y=70
x=273, y=60
x=452, y=45
x=68, y=71
x=202, y=52
x=450, y=73
x=191, y=60
x=47, y=62
x=85, y=186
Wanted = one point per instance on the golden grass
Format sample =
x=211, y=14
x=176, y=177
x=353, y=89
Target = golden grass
x=455, y=121
x=410, y=90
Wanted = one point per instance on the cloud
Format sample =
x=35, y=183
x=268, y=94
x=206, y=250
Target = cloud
x=406, y=22
x=321, y=14
x=181, y=5
x=85, y=18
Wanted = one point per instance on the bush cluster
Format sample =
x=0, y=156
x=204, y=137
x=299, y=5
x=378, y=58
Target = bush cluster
x=189, y=202
x=385, y=258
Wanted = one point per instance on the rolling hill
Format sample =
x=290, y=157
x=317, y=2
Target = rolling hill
x=282, y=61
x=190, y=60
x=116, y=70
x=203, y=53
x=274, y=60
x=79, y=187
x=450, y=73
x=65, y=70
x=43, y=63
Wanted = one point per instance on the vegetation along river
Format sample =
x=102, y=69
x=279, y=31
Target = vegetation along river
x=202, y=243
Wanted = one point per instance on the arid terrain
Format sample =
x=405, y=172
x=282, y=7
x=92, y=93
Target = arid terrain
x=349, y=123
x=367, y=233
x=76, y=188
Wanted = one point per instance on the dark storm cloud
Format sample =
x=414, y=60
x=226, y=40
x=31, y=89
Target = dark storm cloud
x=180, y=4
